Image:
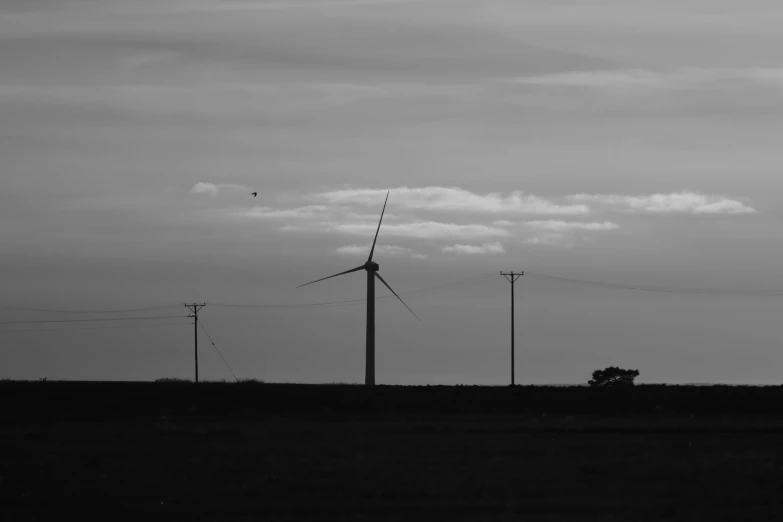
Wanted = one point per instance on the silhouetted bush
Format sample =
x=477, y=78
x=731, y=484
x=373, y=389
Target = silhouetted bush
x=172, y=379
x=612, y=377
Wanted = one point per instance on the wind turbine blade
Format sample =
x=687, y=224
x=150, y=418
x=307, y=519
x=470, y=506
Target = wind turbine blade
x=395, y=293
x=379, y=227
x=335, y=275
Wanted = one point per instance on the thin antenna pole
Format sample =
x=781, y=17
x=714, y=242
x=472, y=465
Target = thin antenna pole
x=512, y=278
x=194, y=308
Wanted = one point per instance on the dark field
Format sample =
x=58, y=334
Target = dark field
x=283, y=452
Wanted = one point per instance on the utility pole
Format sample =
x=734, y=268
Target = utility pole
x=512, y=278
x=195, y=307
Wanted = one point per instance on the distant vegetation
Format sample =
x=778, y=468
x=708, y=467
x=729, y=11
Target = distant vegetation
x=122, y=400
x=240, y=381
x=613, y=377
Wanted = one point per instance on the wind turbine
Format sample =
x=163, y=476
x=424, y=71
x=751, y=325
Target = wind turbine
x=371, y=268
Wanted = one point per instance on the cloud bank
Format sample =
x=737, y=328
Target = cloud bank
x=563, y=226
x=469, y=223
x=417, y=230
x=473, y=250
x=453, y=199
x=549, y=238
x=646, y=80
x=676, y=202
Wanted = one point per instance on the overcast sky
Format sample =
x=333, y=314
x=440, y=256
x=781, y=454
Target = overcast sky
x=623, y=141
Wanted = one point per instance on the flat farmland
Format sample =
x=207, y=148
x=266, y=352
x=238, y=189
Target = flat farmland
x=286, y=452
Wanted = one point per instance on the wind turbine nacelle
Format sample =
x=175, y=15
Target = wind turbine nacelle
x=372, y=266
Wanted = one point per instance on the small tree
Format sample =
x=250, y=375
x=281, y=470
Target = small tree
x=613, y=377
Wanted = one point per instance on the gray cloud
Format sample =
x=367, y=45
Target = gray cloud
x=564, y=226
x=388, y=250
x=336, y=213
x=418, y=230
x=644, y=80
x=453, y=199
x=474, y=250
x=549, y=238
x=675, y=202
x=214, y=189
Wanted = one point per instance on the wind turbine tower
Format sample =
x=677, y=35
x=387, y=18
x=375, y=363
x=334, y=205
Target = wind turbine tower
x=371, y=268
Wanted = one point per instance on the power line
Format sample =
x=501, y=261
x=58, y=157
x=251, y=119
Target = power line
x=430, y=290
x=90, y=328
x=304, y=305
x=201, y=323
x=450, y=286
x=128, y=310
x=693, y=291
x=91, y=320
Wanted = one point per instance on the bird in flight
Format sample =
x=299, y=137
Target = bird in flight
x=254, y=194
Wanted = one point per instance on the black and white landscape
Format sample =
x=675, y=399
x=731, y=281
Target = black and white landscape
x=172, y=170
